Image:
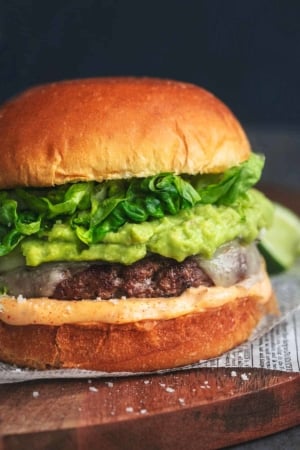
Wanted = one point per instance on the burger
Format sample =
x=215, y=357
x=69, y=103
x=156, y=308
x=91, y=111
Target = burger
x=128, y=227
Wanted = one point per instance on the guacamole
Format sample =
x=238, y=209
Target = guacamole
x=199, y=230
x=124, y=220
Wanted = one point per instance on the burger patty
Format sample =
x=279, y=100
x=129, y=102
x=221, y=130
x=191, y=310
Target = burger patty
x=154, y=276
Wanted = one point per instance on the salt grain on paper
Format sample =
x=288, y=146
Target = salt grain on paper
x=109, y=384
x=244, y=377
x=233, y=373
x=143, y=411
x=35, y=394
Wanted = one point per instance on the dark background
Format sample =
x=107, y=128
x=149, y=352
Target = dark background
x=248, y=53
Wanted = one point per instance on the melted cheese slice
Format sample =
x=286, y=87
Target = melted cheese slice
x=45, y=311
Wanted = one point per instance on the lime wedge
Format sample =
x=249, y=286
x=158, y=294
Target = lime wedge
x=280, y=244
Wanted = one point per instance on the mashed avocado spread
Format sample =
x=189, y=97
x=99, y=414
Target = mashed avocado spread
x=199, y=230
x=115, y=222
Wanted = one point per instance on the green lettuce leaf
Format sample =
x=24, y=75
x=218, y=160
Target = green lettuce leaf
x=228, y=186
x=93, y=209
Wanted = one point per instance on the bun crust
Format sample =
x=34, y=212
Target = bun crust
x=133, y=347
x=105, y=128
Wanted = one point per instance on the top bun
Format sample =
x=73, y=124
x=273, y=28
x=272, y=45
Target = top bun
x=105, y=128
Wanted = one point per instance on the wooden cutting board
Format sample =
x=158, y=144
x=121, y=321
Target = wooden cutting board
x=196, y=409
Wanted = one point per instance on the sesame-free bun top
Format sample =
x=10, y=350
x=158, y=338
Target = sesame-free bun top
x=105, y=128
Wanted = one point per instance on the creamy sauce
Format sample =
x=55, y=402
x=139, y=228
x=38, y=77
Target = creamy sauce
x=117, y=311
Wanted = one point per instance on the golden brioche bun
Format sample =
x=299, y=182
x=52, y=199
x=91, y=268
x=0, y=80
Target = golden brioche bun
x=105, y=128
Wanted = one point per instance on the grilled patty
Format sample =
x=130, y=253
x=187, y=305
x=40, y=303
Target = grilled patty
x=153, y=276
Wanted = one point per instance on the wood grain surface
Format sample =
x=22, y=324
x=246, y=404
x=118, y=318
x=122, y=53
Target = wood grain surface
x=205, y=406
x=196, y=409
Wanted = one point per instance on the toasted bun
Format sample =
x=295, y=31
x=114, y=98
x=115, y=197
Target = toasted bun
x=136, y=346
x=133, y=347
x=106, y=128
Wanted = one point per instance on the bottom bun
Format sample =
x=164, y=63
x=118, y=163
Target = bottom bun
x=134, y=347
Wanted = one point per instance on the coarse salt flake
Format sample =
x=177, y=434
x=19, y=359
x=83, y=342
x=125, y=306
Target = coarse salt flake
x=129, y=409
x=244, y=377
x=169, y=389
x=93, y=389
